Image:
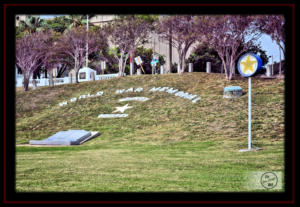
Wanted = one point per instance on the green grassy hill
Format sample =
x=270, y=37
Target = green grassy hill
x=165, y=144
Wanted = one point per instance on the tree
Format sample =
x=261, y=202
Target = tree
x=31, y=24
x=30, y=54
x=226, y=34
x=73, y=43
x=55, y=56
x=180, y=31
x=147, y=55
x=78, y=20
x=168, y=70
x=203, y=54
x=58, y=24
x=273, y=25
x=127, y=33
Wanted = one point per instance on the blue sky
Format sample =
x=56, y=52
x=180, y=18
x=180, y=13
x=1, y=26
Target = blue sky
x=266, y=42
x=270, y=47
x=48, y=16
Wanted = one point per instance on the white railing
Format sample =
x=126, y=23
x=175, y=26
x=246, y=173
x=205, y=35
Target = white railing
x=106, y=77
x=59, y=81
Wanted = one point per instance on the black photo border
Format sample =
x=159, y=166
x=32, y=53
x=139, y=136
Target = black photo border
x=11, y=197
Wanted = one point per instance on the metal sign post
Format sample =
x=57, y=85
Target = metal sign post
x=249, y=113
x=87, y=44
x=131, y=63
x=142, y=68
x=139, y=61
x=248, y=65
x=153, y=63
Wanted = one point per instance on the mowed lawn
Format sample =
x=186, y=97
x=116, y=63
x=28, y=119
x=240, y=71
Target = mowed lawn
x=165, y=144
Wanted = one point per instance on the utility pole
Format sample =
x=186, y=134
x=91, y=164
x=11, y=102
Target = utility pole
x=87, y=44
x=272, y=67
x=279, y=61
x=170, y=50
x=131, y=62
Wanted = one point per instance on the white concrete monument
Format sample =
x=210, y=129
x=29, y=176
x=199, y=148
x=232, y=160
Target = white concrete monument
x=85, y=74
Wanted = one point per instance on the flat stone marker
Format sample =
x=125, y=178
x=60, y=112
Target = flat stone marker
x=70, y=137
x=112, y=115
x=134, y=99
x=233, y=92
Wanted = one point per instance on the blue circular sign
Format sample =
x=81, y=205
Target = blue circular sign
x=249, y=64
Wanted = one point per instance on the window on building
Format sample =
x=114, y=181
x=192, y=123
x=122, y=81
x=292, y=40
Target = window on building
x=81, y=75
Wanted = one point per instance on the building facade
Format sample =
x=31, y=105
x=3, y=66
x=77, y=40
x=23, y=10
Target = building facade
x=157, y=44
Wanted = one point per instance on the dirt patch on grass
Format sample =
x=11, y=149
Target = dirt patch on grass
x=215, y=126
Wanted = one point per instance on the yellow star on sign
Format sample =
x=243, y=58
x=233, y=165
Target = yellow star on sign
x=248, y=64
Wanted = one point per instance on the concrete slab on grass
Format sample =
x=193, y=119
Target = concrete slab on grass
x=70, y=137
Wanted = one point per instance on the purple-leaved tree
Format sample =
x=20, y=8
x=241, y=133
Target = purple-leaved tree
x=227, y=33
x=30, y=54
x=73, y=43
x=54, y=55
x=182, y=32
x=127, y=33
x=274, y=26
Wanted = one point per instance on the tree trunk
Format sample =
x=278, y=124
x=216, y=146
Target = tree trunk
x=76, y=75
x=131, y=62
x=61, y=70
x=170, y=52
x=179, y=65
x=227, y=70
x=232, y=68
x=229, y=73
x=51, y=83
x=124, y=64
x=76, y=69
x=121, y=64
x=280, y=61
x=26, y=83
x=182, y=62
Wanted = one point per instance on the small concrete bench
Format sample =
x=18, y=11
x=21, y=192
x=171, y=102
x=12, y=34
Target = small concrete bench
x=233, y=92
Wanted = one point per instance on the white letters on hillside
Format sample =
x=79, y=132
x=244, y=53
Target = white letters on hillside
x=73, y=99
x=82, y=96
x=171, y=90
x=99, y=93
x=181, y=94
x=196, y=99
x=63, y=103
x=130, y=90
x=89, y=95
